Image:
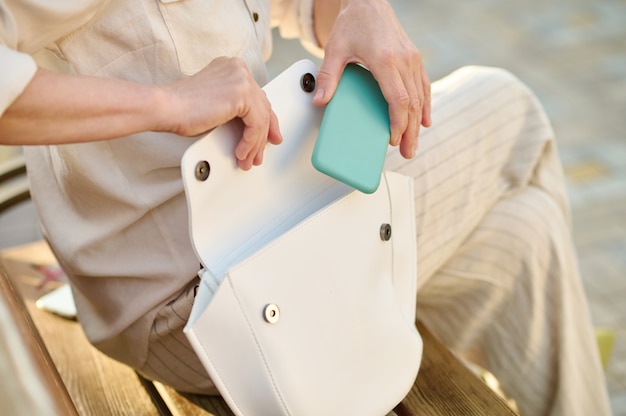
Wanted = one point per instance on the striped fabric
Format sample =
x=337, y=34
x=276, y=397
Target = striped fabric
x=498, y=277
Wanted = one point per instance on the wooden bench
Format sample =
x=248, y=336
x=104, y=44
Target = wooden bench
x=13, y=181
x=84, y=381
x=79, y=380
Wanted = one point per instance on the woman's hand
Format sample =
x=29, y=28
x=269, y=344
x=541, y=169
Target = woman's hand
x=368, y=32
x=222, y=91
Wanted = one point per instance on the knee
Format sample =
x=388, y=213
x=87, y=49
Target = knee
x=485, y=75
x=488, y=73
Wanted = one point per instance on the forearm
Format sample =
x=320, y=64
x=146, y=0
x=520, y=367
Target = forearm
x=324, y=15
x=59, y=108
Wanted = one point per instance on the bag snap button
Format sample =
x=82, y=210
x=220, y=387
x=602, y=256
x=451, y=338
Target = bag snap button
x=385, y=232
x=203, y=169
x=271, y=313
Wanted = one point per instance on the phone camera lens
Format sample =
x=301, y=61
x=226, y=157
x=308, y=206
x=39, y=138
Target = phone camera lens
x=308, y=82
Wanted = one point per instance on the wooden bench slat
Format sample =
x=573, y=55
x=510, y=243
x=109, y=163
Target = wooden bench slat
x=14, y=186
x=45, y=370
x=446, y=386
x=97, y=384
x=13, y=166
x=181, y=404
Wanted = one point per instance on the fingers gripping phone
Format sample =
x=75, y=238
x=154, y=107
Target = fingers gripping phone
x=354, y=133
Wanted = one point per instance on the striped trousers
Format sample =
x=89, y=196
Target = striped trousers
x=498, y=280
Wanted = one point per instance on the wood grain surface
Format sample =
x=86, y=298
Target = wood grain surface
x=97, y=384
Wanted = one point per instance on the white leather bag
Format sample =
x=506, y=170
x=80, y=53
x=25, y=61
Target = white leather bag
x=307, y=300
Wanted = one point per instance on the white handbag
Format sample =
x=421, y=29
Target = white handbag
x=307, y=299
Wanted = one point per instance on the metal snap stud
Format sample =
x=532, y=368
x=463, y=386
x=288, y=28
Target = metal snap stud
x=203, y=169
x=385, y=232
x=271, y=313
x=307, y=82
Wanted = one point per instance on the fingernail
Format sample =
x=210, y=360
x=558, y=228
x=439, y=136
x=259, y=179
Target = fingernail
x=413, y=148
x=319, y=94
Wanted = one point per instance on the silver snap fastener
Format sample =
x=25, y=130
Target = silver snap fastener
x=203, y=169
x=385, y=232
x=271, y=313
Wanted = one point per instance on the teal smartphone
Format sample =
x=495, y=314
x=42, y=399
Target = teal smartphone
x=354, y=133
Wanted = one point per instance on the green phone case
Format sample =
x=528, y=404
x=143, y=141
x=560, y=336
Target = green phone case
x=354, y=134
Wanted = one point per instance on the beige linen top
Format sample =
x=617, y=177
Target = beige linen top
x=114, y=211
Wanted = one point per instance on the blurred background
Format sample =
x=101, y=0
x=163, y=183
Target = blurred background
x=572, y=53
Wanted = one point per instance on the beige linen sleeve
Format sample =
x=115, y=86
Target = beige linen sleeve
x=294, y=19
x=27, y=26
x=17, y=71
x=17, y=68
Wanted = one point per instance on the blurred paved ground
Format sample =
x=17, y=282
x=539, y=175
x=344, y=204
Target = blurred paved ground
x=572, y=53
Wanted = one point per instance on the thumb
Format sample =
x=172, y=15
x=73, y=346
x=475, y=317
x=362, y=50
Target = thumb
x=327, y=80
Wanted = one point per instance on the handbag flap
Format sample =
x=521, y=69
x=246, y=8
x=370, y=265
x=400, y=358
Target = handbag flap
x=264, y=198
x=266, y=201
